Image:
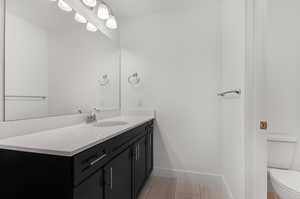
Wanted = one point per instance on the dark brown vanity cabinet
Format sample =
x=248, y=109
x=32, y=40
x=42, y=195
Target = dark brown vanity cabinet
x=118, y=176
x=91, y=188
x=115, y=169
x=149, y=145
x=140, y=164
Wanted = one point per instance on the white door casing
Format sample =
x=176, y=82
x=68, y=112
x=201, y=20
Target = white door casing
x=255, y=139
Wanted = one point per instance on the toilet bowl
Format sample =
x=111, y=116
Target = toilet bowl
x=286, y=183
x=284, y=180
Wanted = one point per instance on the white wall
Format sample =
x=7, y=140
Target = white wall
x=176, y=55
x=26, y=58
x=232, y=109
x=283, y=69
x=77, y=60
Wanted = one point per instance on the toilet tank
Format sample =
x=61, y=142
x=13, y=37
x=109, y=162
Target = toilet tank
x=281, y=151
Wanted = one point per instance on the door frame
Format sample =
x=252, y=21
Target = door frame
x=255, y=139
x=2, y=59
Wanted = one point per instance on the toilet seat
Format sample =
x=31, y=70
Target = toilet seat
x=286, y=181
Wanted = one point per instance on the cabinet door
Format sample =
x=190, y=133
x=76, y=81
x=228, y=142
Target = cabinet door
x=140, y=165
x=92, y=188
x=118, y=177
x=149, y=151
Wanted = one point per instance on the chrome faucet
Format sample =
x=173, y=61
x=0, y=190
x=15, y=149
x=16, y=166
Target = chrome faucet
x=92, y=116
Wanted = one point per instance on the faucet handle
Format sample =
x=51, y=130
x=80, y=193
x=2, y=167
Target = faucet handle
x=91, y=116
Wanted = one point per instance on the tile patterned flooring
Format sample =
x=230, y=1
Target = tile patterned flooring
x=167, y=188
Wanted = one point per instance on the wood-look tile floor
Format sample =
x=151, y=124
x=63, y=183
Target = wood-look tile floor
x=166, y=188
x=272, y=195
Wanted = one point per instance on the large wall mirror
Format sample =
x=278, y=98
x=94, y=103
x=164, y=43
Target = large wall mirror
x=53, y=65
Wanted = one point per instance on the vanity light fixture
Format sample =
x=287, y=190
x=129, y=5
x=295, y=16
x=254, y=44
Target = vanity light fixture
x=103, y=11
x=91, y=27
x=111, y=22
x=90, y=3
x=64, y=6
x=79, y=18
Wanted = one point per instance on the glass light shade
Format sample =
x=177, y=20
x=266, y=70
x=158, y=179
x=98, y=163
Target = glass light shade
x=103, y=11
x=64, y=6
x=111, y=22
x=79, y=18
x=90, y=3
x=53, y=0
x=91, y=27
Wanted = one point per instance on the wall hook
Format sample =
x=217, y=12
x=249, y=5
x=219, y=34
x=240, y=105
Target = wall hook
x=104, y=80
x=134, y=79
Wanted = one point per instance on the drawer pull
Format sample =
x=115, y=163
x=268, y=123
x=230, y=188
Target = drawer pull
x=97, y=160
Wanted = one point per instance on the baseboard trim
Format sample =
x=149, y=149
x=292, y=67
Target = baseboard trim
x=227, y=194
x=207, y=178
x=188, y=175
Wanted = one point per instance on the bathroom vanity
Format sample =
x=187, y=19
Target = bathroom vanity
x=65, y=71
x=78, y=162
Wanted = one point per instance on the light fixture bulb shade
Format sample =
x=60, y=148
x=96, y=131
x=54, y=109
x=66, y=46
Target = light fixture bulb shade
x=111, y=22
x=103, y=11
x=91, y=27
x=79, y=18
x=53, y=0
x=64, y=6
x=90, y=3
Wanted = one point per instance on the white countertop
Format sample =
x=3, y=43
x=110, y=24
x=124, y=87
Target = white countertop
x=71, y=140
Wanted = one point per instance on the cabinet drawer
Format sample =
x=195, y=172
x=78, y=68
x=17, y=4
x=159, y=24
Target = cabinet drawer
x=125, y=139
x=89, y=161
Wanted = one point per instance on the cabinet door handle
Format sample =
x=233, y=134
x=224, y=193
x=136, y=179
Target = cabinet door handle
x=111, y=178
x=97, y=160
x=136, y=152
x=150, y=142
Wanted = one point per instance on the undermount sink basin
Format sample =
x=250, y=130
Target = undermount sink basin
x=110, y=123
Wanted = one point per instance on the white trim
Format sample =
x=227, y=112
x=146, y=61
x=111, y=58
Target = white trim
x=221, y=188
x=250, y=102
x=227, y=194
x=255, y=22
x=2, y=47
x=187, y=175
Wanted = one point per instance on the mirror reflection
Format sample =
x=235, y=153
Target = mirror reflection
x=53, y=65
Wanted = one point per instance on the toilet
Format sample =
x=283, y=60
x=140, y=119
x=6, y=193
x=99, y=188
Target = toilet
x=285, y=181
